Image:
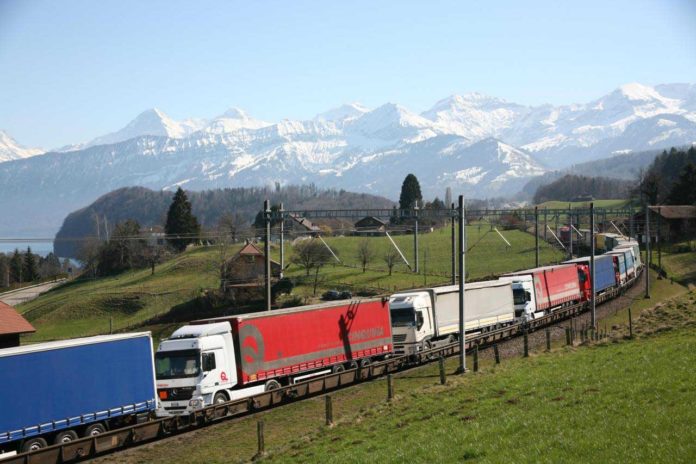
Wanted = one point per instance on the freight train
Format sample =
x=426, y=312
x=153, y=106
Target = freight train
x=54, y=392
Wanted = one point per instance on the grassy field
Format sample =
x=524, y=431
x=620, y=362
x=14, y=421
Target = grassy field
x=85, y=307
x=128, y=300
x=584, y=204
x=620, y=401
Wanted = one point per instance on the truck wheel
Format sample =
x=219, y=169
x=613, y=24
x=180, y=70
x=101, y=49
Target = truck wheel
x=33, y=444
x=94, y=430
x=65, y=437
x=365, y=362
x=220, y=397
x=352, y=365
x=338, y=368
x=272, y=385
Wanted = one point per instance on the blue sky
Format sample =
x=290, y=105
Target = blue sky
x=72, y=70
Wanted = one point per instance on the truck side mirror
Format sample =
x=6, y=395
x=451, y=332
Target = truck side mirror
x=419, y=320
x=528, y=296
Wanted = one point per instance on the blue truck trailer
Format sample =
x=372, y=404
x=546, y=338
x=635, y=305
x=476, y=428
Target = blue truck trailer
x=58, y=391
x=606, y=274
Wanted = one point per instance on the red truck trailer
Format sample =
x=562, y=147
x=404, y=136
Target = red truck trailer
x=557, y=285
x=227, y=357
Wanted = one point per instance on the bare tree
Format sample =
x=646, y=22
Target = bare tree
x=365, y=253
x=311, y=254
x=390, y=258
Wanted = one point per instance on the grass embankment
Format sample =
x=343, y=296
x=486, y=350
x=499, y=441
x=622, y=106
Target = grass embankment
x=85, y=307
x=620, y=401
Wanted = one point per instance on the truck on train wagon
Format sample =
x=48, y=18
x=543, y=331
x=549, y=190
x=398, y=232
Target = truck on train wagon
x=606, y=272
x=215, y=360
x=55, y=392
x=553, y=287
x=423, y=319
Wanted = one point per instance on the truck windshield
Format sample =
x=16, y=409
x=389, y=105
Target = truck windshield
x=402, y=316
x=176, y=364
x=519, y=297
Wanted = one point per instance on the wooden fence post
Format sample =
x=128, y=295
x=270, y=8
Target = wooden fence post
x=476, y=358
x=548, y=339
x=443, y=376
x=568, y=331
x=526, y=344
x=390, y=387
x=630, y=323
x=261, y=443
x=496, y=352
x=329, y=411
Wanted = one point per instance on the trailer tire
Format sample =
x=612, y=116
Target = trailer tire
x=364, y=362
x=94, y=430
x=338, y=368
x=65, y=437
x=33, y=444
x=272, y=385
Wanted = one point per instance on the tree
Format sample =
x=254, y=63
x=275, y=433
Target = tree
x=365, y=253
x=232, y=225
x=181, y=224
x=4, y=271
x=390, y=259
x=16, y=267
x=683, y=191
x=310, y=254
x=30, y=270
x=410, y=192
x=124, y=251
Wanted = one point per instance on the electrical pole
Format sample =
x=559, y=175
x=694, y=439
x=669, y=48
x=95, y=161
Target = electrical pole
x=267, y=252
x=570, y=231
x=647, y=251
x=536, y=236
x=454, y=247
x=659, y=244
x=592, y=268
x=282, y=240
x=415, y=238
x=462, y=273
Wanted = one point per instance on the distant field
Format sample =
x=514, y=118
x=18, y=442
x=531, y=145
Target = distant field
x=584, y=204
x=626, y=401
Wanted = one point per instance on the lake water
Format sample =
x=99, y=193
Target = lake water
x=40, y=248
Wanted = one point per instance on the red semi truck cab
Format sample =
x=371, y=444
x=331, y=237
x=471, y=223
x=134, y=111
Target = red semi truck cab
x=225, y=358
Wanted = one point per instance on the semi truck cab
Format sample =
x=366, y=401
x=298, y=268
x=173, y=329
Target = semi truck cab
x=195, y=368
x=524, y=297
x=412, y=322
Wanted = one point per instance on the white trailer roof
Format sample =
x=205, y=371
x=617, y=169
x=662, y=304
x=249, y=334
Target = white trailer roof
x=69, y=343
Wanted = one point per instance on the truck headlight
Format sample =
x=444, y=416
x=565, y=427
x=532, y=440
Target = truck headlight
x=196, y=403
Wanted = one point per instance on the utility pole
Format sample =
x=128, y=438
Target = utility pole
x=454, y=247
x=415, y=238
x=592, y=268
x=570, y=231
x=282, y=240
x=536, y=236
x=267, y=252
x=462, y=273
x=659, y=244
x=647, y=251
x=546, y=223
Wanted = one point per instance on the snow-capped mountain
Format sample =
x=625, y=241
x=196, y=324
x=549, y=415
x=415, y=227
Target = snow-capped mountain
x=11, y=150
x=478, y=145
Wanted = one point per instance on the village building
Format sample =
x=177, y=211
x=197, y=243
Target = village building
x=12, y=325
x=675, y=222
x=243, y=274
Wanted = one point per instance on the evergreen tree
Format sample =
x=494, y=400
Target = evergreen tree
x=683, y=191
x=16, y=267
x=181, y=222
x=30, y=271
x=410, y=192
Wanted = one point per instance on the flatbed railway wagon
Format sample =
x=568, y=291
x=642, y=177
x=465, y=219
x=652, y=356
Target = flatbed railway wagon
x=58, y=391
x=215, y=360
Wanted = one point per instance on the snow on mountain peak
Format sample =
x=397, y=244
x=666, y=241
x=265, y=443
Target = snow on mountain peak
x=11, y=150
x=235, y=113
x=343, y=113
x=232, y=120
x=635, y=91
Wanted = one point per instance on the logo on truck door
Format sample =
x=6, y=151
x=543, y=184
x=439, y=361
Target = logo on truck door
x=223, y=376
x=252, y=348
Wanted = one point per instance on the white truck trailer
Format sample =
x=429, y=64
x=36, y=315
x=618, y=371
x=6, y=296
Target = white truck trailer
x=423, y=319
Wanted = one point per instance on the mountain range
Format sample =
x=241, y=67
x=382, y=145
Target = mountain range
x=478, y=145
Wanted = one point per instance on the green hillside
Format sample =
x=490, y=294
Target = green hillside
x=583, y=204
x=128, y=300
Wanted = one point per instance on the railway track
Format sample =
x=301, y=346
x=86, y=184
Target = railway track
x=120, y=439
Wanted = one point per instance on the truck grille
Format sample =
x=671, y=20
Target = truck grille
x=177, y=394
x=399, y=338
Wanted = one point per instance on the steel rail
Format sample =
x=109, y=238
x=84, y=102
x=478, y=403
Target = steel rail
x=126, y=437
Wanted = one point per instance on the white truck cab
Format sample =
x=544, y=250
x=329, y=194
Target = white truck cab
x=195, y=368
x=412, y=321
x=524, y=297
